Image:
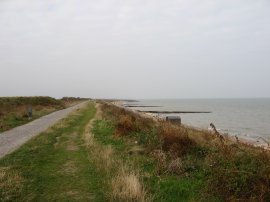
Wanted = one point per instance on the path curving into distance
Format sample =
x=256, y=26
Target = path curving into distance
x=14, y=138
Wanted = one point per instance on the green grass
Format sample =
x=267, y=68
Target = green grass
x=162, y=188
x=53, y=166
x=103, y=131
x=17, y=118
x=173, y=188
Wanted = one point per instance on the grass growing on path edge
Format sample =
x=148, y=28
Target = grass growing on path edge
x=78, y=159
x=53, y=166
x=14, y=110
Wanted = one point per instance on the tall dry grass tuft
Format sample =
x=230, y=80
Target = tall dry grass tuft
x=161, y=159
x=126, y=186
x=124, y=183
x=106, y=158
x=166, y=164
x=176, y=167
x=88, y=135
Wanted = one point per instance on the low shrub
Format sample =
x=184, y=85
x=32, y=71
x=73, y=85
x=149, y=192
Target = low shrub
x=20, y=101
x=125, y=125
x=175, y=139
x=240, y=175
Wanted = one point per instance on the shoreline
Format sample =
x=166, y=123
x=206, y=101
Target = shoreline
x=259, y=142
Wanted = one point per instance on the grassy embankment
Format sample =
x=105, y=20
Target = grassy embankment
x=53, y=166
x=69, y=163
x=13, y=110
x=125, y=157
x=180, y=164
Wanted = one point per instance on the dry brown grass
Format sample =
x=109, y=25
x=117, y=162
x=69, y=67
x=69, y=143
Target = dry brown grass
x=126, y=186
x=2, y=113
x=13, y=110
x=75, y=195
x=88, y=135
x=98, y=112
x=123, y=180
x=161, y=159
x=176, y=167
x=60, y=124
x=125, y=125
x=69, y=168
x=106, y=157
x=127, y=121
x=56, y=145
x=137, y=149
x=124, y=183
x=233, y=170
x=176, y=139
x=166, y=164
x=10, y=183
x=72, y=146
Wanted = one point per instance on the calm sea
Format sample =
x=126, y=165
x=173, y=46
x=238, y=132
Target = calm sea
x=249, y=118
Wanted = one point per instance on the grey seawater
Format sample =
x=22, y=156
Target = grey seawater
x=249, y=118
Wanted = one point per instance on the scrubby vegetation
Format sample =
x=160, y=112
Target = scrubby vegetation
x=69, y=101
x=125, y=156
x=13, y=110
x=193, y=165
x=18, y=101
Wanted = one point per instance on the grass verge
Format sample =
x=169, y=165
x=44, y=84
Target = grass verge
x=121, y=177
x=13, y=110
x=53, y=166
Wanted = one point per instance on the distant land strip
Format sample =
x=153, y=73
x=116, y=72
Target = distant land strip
x=175, y=112
x=141, y=106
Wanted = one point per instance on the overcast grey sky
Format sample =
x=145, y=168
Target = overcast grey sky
x=135, y=48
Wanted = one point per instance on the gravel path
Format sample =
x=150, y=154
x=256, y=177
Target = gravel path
x=14, y=138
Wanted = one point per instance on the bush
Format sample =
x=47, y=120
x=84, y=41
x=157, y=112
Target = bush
x=240, y=175
x=175, y=139
x=125, y=125
x=21, y=101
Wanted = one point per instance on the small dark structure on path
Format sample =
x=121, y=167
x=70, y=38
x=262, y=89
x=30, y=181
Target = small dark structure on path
x=174, y=119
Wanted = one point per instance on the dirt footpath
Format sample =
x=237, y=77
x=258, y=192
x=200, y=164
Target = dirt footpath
x=14, y=138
